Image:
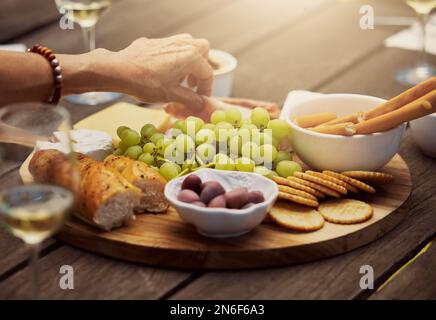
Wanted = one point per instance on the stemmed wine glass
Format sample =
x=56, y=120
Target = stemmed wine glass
x=422, y=70
x=30, y=210
x=86, y=14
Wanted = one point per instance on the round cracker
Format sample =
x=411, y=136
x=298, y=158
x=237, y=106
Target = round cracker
x=296, y=217
x=370, y=176
x=345, y=211
x=316, y=186
x=296, y=185
x=344, y=184
x=321, y=181
x=358, y=184
x=298, y=199
x=296, y=192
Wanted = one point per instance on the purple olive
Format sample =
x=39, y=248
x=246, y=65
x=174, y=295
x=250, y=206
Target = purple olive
x=237, y=198
x=199, y=203
x=188, y=196
x=256, y=197
x=192, y=182
x=210, y=190
x=218, y=202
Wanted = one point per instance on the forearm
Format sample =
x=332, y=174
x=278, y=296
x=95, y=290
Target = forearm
x=29, y=77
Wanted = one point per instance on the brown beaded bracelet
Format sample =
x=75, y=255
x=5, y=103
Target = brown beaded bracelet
x=57, y=71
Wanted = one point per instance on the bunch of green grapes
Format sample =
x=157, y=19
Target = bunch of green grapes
x=227, y=143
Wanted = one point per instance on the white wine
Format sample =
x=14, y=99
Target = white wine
x=422, y=6
x=84, y=12
x=34, y=212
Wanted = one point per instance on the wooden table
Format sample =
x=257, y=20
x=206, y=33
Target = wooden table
x=281, y=45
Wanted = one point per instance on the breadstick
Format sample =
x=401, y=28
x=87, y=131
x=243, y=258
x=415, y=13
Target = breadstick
x=354, y=118
x=313, y=120
x=411, y=111
x=402, y=99
x=344, y=129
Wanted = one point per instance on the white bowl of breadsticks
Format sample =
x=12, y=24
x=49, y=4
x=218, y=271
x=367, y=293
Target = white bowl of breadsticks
x=336, y=145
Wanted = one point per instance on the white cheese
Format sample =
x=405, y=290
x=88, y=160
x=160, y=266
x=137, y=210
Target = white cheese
x=93, y=143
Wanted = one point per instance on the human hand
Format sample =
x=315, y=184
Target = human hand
x=153, y=69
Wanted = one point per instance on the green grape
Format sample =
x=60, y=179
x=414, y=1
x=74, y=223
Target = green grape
x=235, y=145
x=122, y=146
x=274, y=174
x=287, y=168
x=244, y=164
x=264, y=171
x=281, y=156
x=133, y=152
x=210, y=126
x=156, y=137
x=206, y=152
x=120, y=130
x=233, y=116
x=249, y=126
x=217, y=116
x=149, y=147
x=205, y=136
x=194, y=122
x=245, y=122
x=177, y=128
x=148, y=130
x=189, y=164
x=268, y=153
x=160, y=147
x=171, y=153
x=223, y=162
x=147, y=158
x=223, y=131
x=251, y=150
x=275, y=142
x=118, y=152
x=265, y=137
x=185, y=144
x=130, y=137
x=260, y=117
x=280, y=129
x=169, y=170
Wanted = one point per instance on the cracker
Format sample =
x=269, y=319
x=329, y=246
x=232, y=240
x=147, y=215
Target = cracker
x=370, y=176
x=296, y=192
x=316, y=186
x=322, y=182
x=344, y=184
x=298, y=199
x=295, y=185
x=296, y=217
x=345, y=211
x=358, y=184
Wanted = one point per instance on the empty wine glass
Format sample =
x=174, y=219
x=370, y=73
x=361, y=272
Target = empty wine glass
x=86, y=14
x=33, y=209
x=422, y=70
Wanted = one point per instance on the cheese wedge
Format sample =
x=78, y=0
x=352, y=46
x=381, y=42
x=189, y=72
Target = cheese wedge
x=125, y=114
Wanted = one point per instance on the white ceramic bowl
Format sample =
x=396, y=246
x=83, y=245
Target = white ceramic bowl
x=340, y=153
x=224, y=223
x=424, y=134
x=223, y=77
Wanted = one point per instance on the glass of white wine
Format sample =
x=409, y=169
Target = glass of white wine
x=86, y=14
x=422, y=70
x=33, y=211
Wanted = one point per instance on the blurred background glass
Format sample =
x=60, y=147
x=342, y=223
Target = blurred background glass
x=86, y=14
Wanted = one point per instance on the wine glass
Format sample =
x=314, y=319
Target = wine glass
x=33, y=210
x=422, y=70
x=86, y=14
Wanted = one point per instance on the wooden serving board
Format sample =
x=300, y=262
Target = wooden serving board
x=165, y=240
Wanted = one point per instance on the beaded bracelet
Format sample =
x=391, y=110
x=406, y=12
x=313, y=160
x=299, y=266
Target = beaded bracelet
x=57, y=71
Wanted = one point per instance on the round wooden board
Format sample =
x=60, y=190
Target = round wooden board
x=165, y=240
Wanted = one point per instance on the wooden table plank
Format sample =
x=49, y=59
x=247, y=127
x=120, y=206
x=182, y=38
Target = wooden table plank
x=20, y=16
x=126, y=21
x=415, y=281
x=305, y=55
x=95, y=277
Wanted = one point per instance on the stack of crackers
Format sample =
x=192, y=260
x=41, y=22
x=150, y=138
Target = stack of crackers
x=309, y=191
